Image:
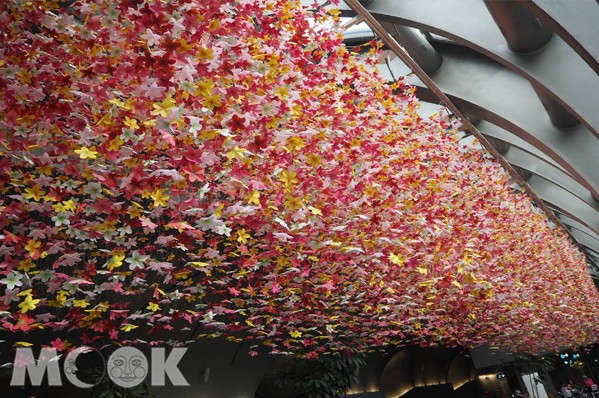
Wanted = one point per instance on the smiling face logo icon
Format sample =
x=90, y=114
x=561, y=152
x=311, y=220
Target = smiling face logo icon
x=127, y=367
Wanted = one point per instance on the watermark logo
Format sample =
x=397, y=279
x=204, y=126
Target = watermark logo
x=69, y=367
x=127, y=367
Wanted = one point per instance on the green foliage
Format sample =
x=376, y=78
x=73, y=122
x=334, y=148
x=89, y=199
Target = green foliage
x=328, y=376
x=106, y=388
x=528, y=363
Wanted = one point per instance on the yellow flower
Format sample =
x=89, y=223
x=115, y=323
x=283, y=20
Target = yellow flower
x=242, y=236
x=236, y=152
x=273, y=62
x=184, y=46
x=46, y=169
x=28, y=304
x=204, y=53
x=212, y=101
x=288, y=178
x=131, y=162
x=26, y=265
x=214, y=25
x=315, y=211
x=153, y=307
x=115, y=261
x=69, y=205
x=134, y=211
x=105, y=120
x=162, y=108
x=209, y=134
x=61, y=297
x=35, y=193
x=131, y=123
x=371, y=190
x=273, y=123
x=218, y=212
x=254, y=197
x=115, y=144
x=32, y=246
x=117, y=102
x=295, y=143
x=293, y=203
x=282, y=92
x=87, y=153
x=130, y=105
x=80, y=303
x=396, y=259
x=422, y=270
x=64, y=206
x=159, y=197
x=204, y=88
x=295, y=334
x=128, y=327
x=25, y=76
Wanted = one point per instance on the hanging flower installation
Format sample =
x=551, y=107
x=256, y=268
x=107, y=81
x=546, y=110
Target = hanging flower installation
x=227, y=168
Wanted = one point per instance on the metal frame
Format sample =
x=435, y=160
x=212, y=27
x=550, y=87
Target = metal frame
x=542, y=104
x=467, y=125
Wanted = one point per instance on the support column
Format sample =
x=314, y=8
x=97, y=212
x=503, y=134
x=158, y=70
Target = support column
x=560, y=117
x=416, y=45
x=523, y=32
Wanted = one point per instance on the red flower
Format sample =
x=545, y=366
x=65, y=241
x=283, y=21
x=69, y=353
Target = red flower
x=23, y=323
x=236, y=123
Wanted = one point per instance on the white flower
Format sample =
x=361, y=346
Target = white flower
x=120, y=240
x=128, y=134
x=98, y=289
x=150, y=37
x=93, y=189
x=207, y=223
x=194, y=125
x=136, y=260
x=205, y=111
x=189, y=87
x=62, y=218
x=9, y=72
x=125, y=230
x=204, y=190
x=208, y=316
x=69, y=287
x=45, y=275
x=12, y=280
x=108, y=234
x=22, y=131
x=223, y=230
x=70, y=184
x=208, y=158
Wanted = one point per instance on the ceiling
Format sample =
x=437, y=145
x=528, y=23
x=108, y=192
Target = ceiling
x=525, y=73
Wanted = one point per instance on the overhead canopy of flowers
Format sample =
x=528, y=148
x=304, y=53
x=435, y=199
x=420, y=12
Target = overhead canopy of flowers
x=214, y=167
